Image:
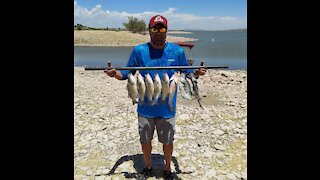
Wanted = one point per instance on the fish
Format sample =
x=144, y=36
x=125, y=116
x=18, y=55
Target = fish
x=184, y=87
x=141, y=88
x=157, y=88
x=174, y=81
x=149, y=88
x=165, y=87
x=132, y=88
x=196, y=90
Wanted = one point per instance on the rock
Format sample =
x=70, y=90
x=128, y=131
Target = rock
x=221, y=177
x=105, y=171
x=178, y=129
x=205, y=117
x=79, y=177
x=240, y=131
x=175, y=154
x=218, y=132
x=211, y=173
x=207, y=154
x=219, y=147
x=231, y=176
x=100, y=178
x=183, y=117
x=244, y=175
x=117, y=177
x=89, y=172
x=219, y=154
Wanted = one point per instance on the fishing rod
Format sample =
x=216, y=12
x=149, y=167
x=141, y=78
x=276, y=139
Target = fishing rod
x=155, y=68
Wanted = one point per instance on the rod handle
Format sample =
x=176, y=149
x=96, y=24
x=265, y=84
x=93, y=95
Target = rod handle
x=109, y=64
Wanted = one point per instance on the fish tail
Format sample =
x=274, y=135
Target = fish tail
x=142, y=101
x=171, y=108
x=154, y=103
x=199, y=101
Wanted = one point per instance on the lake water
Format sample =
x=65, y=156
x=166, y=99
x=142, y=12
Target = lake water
x=213, y=47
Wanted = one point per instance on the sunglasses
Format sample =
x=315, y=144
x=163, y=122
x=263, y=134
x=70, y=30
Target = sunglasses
x=162, y=30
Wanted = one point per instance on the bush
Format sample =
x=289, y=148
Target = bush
x=135, y=25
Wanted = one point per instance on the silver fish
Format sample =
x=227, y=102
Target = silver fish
x=141, y=88
x=196, y=90
x=174, y=81
x=149, y=88
x=157, y=88
x=165, y=87
x=184, y=87
x=132, y=88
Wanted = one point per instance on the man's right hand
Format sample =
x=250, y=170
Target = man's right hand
x=111, y=72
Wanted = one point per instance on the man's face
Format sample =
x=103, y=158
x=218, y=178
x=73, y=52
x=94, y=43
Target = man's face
x=158, y=35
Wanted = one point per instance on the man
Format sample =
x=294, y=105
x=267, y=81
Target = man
x=157, y=52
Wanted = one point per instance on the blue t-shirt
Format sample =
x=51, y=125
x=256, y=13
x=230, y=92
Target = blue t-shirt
x=144, y=55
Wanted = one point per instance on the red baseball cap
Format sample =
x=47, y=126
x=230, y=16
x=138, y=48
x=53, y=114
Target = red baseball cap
x=158, y=19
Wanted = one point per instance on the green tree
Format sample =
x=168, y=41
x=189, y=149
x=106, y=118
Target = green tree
x=79, y=26
x=135, y=25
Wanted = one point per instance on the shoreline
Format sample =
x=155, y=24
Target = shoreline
x=99, y=38
x=210, y=143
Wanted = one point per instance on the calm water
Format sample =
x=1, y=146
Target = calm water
x=212, y=47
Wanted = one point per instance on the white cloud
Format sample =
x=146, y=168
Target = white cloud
x=98, y=17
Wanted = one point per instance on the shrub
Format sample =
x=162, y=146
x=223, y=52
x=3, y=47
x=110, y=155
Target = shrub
x=135, y=25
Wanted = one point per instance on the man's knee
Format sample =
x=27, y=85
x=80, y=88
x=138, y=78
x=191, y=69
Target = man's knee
x=145, y=130
x=166, y=131
x=167, y=136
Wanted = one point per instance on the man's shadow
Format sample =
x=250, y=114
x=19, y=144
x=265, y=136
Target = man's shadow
x=157, y=166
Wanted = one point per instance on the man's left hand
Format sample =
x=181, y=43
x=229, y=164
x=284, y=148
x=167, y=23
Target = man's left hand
x=200, y=72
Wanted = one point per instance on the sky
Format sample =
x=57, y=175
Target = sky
x=181, y=14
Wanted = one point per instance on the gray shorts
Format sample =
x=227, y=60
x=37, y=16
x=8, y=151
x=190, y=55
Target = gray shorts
x=165, y=129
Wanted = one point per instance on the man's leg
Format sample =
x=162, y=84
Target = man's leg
x=165, y=131
x=167, y=150
x=146, y=149
x=146, y=130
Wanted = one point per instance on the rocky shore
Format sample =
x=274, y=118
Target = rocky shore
x=210, y=143
x=101, y=38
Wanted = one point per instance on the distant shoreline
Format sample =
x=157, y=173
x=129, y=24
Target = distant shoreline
x=100, y=38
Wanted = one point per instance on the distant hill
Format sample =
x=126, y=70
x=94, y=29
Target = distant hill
x=235, y=30
x=82, y=27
